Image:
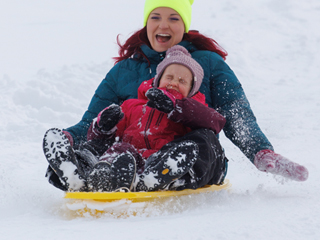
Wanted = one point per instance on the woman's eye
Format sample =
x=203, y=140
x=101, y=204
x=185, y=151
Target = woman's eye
x=174, y=19
x=155, y=18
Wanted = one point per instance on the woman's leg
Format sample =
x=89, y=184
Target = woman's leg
x=208, y=163
x=54, y=179
x=61, y=158
x=69, y=166
x=171, y=162
x=211, y=165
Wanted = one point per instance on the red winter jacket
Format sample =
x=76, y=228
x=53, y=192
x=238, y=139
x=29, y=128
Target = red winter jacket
x=148, y=129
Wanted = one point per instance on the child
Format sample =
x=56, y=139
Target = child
x=169, y=109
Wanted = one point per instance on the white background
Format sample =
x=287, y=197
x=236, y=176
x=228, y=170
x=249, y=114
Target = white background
x=53, y=55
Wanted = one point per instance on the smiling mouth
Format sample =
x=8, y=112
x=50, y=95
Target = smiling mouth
x=162, y=37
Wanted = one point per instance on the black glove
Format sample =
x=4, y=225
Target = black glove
x=109, y=117
x=158, y=99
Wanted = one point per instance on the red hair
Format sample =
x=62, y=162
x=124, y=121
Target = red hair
x=133, y=43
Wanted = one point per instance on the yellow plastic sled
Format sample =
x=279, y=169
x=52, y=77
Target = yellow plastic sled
x=143, y=196
x=125, y=204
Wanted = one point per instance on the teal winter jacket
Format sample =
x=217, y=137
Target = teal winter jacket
x=220, y=86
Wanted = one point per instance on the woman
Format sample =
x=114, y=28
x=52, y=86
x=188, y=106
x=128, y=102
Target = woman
x=166, y=23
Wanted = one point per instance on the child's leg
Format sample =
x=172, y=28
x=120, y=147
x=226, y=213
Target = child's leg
x=122, y=147
x=96, y=146
x=116, y=169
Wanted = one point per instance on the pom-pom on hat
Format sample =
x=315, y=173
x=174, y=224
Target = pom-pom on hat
x=179, y=55
x=183, y=7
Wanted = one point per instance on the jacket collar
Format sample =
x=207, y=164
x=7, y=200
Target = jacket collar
x=156, y=57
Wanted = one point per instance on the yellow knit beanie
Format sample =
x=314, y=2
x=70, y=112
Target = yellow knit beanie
x=183, y=7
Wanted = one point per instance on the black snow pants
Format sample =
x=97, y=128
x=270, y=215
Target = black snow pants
x=211, y=165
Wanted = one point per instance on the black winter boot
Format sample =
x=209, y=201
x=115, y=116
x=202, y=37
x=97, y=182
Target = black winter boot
x=123, y=172
x=61, y=158
x=167, y=165
x=99, y=180
x=117, y=176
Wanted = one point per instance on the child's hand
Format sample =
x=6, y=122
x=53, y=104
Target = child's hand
x=161, y=100
x=109, y=117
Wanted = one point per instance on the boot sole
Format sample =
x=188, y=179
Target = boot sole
x=99, y=180
x=171, y=165
x=123, y=171
x=60, y=156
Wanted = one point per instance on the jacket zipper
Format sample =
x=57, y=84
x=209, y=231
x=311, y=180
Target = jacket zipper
x=149, y=121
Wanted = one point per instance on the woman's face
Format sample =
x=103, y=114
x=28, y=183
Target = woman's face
x=165, y=28
x=177, y=77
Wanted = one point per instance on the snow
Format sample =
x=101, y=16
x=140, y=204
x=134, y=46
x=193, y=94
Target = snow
x=55, y=53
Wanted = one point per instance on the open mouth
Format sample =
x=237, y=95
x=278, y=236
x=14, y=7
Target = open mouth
x=163, y=37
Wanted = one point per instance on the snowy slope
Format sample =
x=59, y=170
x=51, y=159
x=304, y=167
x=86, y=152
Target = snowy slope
x=53, y=55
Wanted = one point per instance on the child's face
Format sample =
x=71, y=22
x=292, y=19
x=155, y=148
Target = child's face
x=177, y=77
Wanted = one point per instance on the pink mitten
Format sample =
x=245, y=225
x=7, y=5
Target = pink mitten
x=269, y=161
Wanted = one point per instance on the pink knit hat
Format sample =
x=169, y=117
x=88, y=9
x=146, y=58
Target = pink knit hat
x=179, y=55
